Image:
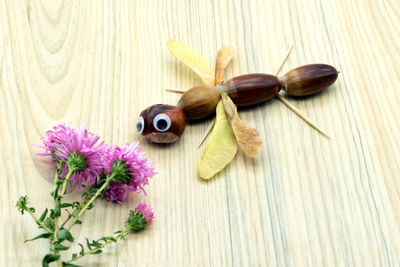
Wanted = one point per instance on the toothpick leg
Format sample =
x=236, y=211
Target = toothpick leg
x=208, y=131
x=179, y=91
x=295, y=110
x=290, y=106
x=284, y=60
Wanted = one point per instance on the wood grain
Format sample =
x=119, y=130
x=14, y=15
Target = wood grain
x=306, y=202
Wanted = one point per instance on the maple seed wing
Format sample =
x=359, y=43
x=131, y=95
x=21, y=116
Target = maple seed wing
x=225, y=54
x=193, y=59
x=248, y=138
x=221, y=148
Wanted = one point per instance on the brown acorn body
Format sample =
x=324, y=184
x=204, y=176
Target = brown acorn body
x=251, y=89
x=308, y=79
x=199, y=102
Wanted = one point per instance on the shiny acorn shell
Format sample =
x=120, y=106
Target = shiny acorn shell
x=169, y=135
x=251, y=89
x=199, y=102
x=308, y=79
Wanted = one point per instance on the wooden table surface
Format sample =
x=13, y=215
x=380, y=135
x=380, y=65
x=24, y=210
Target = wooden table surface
x=307, y=201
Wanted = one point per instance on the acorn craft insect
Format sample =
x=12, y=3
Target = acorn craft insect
x=165, y=123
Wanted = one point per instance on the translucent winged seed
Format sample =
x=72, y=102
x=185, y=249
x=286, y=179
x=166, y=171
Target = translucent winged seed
x=224, y=56
x=248, y=137
x=221, y=148
x=193, y=59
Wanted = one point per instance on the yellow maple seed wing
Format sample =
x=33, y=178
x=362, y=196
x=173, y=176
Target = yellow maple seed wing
x=193, y=59
x=221, y=148
x=224, y=56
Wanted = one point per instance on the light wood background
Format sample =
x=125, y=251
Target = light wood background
x=307, y=201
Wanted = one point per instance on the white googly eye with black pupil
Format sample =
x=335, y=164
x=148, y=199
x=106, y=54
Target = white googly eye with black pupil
x=162, y=122
x=140, y=124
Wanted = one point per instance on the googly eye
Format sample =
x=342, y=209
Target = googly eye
x=162, y=122
x=140, y=124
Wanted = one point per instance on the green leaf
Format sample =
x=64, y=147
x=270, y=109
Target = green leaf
x=96, y=244
x=45, y=235
x=82, y=249
x=66, y=205
x=58, y=246
x=43, y=215
x=74, y=255
x=78, y=222
x=97, y=252
x=49, y=223
x=49, y=258
x=107, y=238
x=57, y=210
x=88, y=244
x=76, y=212
x=70, y=265
x=63, y=234
x=21, y=203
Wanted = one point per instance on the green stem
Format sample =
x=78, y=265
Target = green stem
x=66, y=180
x=77, y=208
x=55, y=195
x=90, y=251
x=56, y=178
x=109, y=179
x=101, y=247
x=60, y=199
x=38, y=222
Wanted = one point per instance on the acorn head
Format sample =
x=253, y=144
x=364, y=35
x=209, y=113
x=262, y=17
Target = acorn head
x=161, y=123
x=199, y=102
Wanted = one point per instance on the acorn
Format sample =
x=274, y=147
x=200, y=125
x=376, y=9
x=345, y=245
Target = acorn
x=308, y=79
x=199, y=102
x=161, y=123
x=250, y=89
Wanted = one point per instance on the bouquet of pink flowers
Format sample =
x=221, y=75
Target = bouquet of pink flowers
x=97, y=170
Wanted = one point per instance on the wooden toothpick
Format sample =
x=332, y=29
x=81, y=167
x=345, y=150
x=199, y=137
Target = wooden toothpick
x=179, y=91
x=208, y=131
x=290, y=106
x=295, y=110
x=284, y=60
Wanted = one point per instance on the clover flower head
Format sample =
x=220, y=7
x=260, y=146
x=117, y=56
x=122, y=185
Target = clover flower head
x=76, y=150
x=142, y=216
x=129, y=168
